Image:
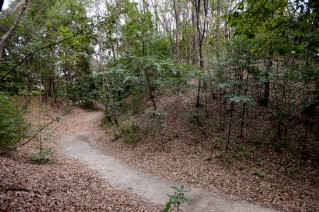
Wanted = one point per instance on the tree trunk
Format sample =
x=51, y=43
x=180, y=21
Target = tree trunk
x=11, y=11
x=230, y=125
x=177, y=23
x=217, y=28
x=265, y=98
x=199, y=38
x=150, y=89
x=13, y=27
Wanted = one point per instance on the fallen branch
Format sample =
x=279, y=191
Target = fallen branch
x=17, y=189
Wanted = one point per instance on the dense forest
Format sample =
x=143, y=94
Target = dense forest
x=247, y=70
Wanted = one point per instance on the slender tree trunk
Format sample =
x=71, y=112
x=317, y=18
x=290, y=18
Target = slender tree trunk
x=227, y=28
x=242, y=121
x=230, y=125
x=218, y=8
x=13, y=27
x=194, y=37
x=113, y=106
x=177, y=23
x=150, y=89
x=196, y=60
x=199, y=38
x=13, y=10
x=265, y=99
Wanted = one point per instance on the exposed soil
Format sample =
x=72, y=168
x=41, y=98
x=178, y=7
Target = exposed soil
x=60, y=184
x=148, y=186
x=169, y=148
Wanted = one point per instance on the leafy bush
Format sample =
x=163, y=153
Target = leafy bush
x=177, y=199
x=157, y=113
x=12, y=127
x=85, y=92
x=129, y=133
x=42, y=156
x=259, y=172
x=195, y=115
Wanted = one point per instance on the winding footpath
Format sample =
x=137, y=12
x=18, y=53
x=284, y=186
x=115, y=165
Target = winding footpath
x=147, y=186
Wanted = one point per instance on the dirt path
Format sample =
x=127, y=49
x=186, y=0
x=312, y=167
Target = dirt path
x=144, y=184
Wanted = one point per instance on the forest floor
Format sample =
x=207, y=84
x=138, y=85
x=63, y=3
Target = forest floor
x=148, y=186
x=60, y=184
x=169, y=146
x=165, y=149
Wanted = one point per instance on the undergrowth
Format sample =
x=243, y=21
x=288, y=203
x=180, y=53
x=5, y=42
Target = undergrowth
x=12, y=125
x=130, y=133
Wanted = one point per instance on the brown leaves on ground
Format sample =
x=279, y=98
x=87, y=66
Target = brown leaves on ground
x=170, y=148
x=60, y=187
x=62, y=184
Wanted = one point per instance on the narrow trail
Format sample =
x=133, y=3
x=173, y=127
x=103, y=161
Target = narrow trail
x=148, y=186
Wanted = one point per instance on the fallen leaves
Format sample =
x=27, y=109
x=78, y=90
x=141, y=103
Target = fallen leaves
x=165, y=149
x=178, y=154
x=64, y=185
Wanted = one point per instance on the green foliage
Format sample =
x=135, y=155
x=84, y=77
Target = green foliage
x=177, y=199
x=241, y=98
x=282, y=113
x=85, y=92
x=157, y=113
x=259, y=172
x=192, y=128
x=292, y=23
x=220, y=139
x=130, y=133
x=42, y=156
x=194, y=115
x=140, y=35
x=51, y=67
x=12, y=126
x=294, y=170
x=220, y=154
x=269, y=56
x=131, y=77
x=241, y=151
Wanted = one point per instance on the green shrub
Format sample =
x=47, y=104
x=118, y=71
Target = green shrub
x=129, y=133
x=157, y=113
x=259, y=172
x=177, y=199
x=12, y=127
x=195, y=116
x=85, y=92
x=42, y=156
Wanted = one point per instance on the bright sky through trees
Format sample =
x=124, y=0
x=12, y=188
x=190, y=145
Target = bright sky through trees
x=5, y=4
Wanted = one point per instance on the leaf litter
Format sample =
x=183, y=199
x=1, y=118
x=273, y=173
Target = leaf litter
x=168, y=149
x=62, y=184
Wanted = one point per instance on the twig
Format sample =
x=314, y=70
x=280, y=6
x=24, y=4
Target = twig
x=17, y=189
